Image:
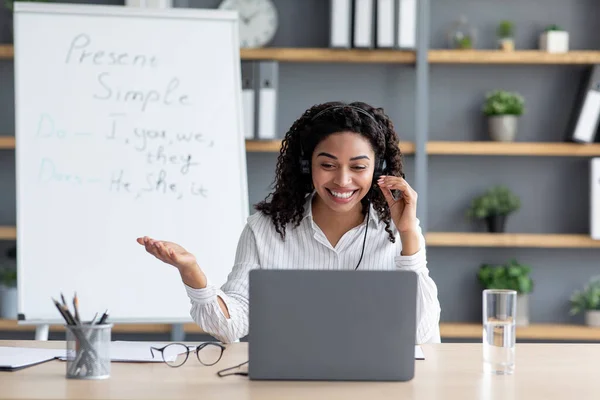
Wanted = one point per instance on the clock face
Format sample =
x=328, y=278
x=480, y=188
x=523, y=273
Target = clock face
x=257, y=20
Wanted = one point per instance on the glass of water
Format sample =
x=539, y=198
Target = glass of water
x=499, y=325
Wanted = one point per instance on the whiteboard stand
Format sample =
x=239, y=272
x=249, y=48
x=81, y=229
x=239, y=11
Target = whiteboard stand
x=177, y=333
x=41, y=331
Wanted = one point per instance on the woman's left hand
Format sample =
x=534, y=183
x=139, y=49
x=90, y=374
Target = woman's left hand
x=403, y=210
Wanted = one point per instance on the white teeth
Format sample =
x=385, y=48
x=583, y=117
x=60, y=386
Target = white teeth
x=342, y=195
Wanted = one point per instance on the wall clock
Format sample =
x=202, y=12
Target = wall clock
x=258, y=20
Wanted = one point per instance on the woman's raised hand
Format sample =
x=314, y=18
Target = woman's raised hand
x=170, y=253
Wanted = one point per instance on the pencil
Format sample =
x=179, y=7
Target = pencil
x=76, y=308
x=57, y=304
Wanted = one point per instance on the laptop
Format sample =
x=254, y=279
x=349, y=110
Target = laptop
x=332, y=325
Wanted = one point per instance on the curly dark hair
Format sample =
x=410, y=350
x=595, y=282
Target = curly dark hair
x=286, y=203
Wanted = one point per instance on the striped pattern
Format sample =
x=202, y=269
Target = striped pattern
x=306, y=247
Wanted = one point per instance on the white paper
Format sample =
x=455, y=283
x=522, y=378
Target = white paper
x=419, y=355
x=16, y=357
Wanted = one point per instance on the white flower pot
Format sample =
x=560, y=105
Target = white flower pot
x=522, y=310
x=592, y=318
x=554, y=41
x=8, y=302
x=503, y=128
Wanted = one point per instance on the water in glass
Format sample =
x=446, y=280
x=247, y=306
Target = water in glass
x=499, y=347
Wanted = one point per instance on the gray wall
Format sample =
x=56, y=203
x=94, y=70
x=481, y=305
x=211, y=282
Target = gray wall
x=553, y=190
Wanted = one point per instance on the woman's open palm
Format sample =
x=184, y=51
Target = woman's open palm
x=169, y=252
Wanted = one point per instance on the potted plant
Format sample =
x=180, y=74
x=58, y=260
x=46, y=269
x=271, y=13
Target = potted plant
x=494, y=206
x=506, y=35
x=502, y=108
x=588, y=301
x=513, y=276
x=554, y=40
x=8, y=286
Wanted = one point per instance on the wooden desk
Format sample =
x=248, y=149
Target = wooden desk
x=450, y=371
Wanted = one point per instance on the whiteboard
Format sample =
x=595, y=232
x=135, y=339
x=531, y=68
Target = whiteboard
x=128, y=123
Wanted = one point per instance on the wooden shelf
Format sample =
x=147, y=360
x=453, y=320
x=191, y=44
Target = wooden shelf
x=318, y=55
x=463, y=239
x=513, y=149
x=447, y=330
x=6, y=51
x=268, y=146
x=533, y=331
x=512, y=57
x=443, y=148
x=8, y=233
x=385, y=56
x=7, y=142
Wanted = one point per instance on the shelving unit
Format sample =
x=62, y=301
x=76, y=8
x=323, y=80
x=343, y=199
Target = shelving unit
x=421, y=59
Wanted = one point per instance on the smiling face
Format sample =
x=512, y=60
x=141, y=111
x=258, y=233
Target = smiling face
x=342, y=171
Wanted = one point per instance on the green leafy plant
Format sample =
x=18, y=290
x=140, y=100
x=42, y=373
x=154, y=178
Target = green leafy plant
x=8, y=277
x=505, y=29
x=502, y=102
x=465, y=43
x=498, y=200
x=586, y=299
x=8, y=274
x=512, y=276
x=553, y=27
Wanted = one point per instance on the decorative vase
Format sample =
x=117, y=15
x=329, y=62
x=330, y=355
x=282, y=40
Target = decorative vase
x=461, y=35
x=592, y=318
x=8, y=302
x=554, y=41
x=496, y=223
x=522, y=310
x=507, y=44
x=503, y=128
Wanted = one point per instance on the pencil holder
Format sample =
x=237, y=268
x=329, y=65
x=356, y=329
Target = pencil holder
x=88, y=351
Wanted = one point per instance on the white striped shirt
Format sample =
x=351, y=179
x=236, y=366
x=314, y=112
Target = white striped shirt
x=306, y=247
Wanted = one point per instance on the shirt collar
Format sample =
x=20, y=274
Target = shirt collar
x=373, y=217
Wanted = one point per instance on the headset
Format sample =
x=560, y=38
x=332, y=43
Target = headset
x=380, y=164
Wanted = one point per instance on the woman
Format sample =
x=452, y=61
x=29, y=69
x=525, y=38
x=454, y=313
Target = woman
x=340, y=202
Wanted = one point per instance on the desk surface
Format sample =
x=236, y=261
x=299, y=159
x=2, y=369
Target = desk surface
x=450, y=371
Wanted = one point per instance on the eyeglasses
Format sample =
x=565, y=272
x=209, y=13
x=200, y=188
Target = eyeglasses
x=208, y=353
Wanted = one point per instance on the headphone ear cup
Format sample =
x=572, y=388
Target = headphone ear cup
x=380, y=169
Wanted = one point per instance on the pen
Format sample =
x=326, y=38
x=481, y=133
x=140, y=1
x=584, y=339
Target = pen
x=103, y=318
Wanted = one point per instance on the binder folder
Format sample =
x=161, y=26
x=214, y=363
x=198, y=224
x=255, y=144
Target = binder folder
x=586, y=112
x=341, y=23
x=386, y=23
x=268, y=74
x=363, y=23
x=407, y=24
x=249, y=94
x=595, y=198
